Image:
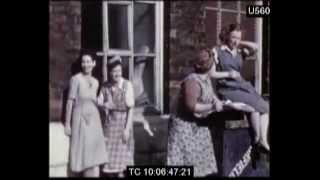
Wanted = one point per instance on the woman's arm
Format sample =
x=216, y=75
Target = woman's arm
x=100, y=99
x=191, y=95
x=250, y=48
x=68, y=117
x=213, y=73
x=203, y=108
x=73, y=90
x=217, y=105
x=104, y=100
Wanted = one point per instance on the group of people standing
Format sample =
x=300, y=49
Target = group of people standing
x=111, y=144
x=92, y=144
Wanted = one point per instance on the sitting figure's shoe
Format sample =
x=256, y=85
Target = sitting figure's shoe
x=263, y=149
x=255, y=155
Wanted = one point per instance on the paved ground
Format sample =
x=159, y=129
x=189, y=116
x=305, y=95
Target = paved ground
x=148, y=150
x=58, y=150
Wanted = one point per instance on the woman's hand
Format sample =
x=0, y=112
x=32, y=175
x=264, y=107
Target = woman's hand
x=251, y=47
x=218, y=106
x=234, y=74
x=67, y=130
x=126, y=135
x=100, y=100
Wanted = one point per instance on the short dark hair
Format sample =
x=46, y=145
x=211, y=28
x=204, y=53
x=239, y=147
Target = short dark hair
x=88, y=52
x=112, y=65
x=225, y=31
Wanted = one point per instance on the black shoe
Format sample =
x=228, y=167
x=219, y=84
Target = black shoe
x=255, y=155
x=262, y=149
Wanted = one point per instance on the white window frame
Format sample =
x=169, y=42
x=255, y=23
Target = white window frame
x=158, y=54
x=257, y=39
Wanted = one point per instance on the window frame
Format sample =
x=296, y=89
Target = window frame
x=158, y=44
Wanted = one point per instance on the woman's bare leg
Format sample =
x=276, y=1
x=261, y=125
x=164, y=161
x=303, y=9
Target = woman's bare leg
x=255, y=123
x=264, y=125
x=92, y=172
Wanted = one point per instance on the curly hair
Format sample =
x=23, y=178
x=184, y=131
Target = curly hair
x=225, y=31
x=201, y=66
x=206, y=49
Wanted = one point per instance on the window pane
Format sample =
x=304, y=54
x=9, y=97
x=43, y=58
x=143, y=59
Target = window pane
x=125, y=66
x=211, y=27
x=248, y=26
x=246, y=3
x=118, y=26
x=144, y=26
x=229, y=5
x=144, y=81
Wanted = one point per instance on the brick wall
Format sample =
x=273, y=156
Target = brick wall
x=64, y=44
x=187, y=32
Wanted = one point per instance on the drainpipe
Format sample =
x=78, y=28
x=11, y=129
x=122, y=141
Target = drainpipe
x=258, y=62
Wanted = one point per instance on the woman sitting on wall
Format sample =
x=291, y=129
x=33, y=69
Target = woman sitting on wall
x=232, y=86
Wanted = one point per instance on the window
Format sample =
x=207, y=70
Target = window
x=134, y=31
x=221, y=13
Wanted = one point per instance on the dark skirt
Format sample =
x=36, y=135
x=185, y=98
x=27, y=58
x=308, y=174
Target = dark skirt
x=248, y=96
